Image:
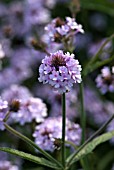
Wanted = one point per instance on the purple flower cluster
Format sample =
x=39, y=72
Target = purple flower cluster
x=3, y=111
x=98, y=111
x=6, y=165
x=35, y=13
x=29, y=108
x=105, y=80
x=51, y=129
x=16, y=92
x=60, y=71
x=59, y=29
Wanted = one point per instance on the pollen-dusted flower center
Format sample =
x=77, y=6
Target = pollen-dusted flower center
x=58, y=61
x=59, y=22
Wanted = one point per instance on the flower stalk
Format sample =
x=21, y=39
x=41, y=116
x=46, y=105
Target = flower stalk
x=83, y=115
x=63, y=128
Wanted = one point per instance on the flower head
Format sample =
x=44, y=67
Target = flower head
x=105, y=80
x=59, y=28
x=47, y=132
x=60, y=70
x=31, y=109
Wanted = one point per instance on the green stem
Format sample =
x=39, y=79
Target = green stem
x=63, y=128
x=90, y=138
x=24, y=138
x=97, y=65
x=83, y=115
x=96, y=56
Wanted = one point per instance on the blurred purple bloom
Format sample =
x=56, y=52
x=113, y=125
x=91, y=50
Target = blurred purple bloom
x=112, y=167
x=3, y=111
x=35, y=13
x=94, y=47
x=53, y=99
x=6, y=165
x=105, y=80
x=51, y=129
x=100, y=21
x=3, y=10
x=2, y=54
x=97, y=110
x=14, y=74
x=16, y=92
x=31, y=109
x=60, y=70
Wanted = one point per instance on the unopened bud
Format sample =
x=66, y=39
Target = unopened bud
x=38, y=45
x=74, y=7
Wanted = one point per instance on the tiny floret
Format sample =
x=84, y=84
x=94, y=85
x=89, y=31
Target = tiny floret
x=3, y=111
x=60, y=71
x=59, y=29
x=48, y=133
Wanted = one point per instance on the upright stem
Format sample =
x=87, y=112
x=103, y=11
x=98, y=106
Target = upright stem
x=63, y=128
x=83, y=115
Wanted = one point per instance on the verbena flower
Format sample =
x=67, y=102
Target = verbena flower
x=35, y=13
x=16, y=92
x=31, y=109
x=3, y=111
x=23, y=107
x=60, y=70
x=6, y=165
x=59, y=28
x=105, y=80
x=51, y=129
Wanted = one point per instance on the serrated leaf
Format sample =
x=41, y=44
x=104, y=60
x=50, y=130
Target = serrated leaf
x=99, y=5
x=32, y=158
x=90, y=147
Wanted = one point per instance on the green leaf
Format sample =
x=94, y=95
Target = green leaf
x=30, y=142
x=99, y=5
x=91, y=65
x=90, y=147
x=97, y=65
x=30, y=157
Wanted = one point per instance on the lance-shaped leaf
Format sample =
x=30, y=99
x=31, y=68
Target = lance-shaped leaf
x=91, y=65
x=89, y=147
x=30, y=142
x=98, y=64
x=30, y=157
